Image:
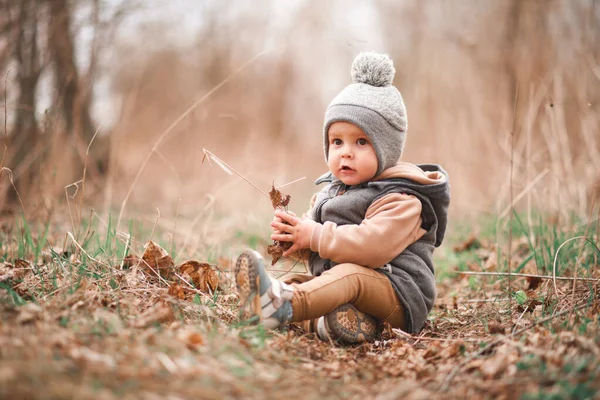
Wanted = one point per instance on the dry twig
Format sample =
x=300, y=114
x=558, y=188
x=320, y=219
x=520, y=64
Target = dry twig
x=556, y=258
x=565, y=278
x=167, y=131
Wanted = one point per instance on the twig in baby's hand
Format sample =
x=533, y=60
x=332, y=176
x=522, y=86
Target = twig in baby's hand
x=225, y=167
x=278, y=201
x=289, y=183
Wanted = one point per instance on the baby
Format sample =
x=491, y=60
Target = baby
x=369, y=234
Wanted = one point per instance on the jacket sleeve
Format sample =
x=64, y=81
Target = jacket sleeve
x=391, y=224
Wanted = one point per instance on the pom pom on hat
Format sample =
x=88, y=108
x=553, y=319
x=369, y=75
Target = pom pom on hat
x=373, y=104
x=374, y=69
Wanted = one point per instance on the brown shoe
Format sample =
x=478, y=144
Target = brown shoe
x=347, y=325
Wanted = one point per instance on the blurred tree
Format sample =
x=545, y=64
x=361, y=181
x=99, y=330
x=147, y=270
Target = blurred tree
x=73, y=99
x=19, y=28
x=38, y=45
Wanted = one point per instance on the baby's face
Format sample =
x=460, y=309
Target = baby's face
x=352, y=158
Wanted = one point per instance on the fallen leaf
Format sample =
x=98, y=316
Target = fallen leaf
x=192, y=339
x=202, y=275
x=10, y=272
x=29, y=313
x=157, y=314
x=495, y=327
x=470, y=243
x=453, y=350
x=533, y=282
x=503, y=359
x=176, y=291
x=531, y=304
x=156, y=259
x=130, y=261
x=7, y=272
x=22, y=264
x=493, y=367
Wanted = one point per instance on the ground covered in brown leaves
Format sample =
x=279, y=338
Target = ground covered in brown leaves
x=81, y=322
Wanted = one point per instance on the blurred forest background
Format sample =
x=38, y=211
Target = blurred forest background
x=487, y=84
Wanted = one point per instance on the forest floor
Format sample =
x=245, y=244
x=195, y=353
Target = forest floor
x=81, y=322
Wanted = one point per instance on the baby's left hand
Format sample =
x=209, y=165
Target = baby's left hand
x=298, y=231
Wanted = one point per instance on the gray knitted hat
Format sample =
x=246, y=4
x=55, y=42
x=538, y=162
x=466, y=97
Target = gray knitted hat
x=374, y=105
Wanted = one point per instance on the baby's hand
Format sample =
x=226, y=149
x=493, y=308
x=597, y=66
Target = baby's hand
x=292, y=229
x=276, y=219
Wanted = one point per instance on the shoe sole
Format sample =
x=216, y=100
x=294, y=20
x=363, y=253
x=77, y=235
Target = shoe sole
x=348, y=325
x=247, y=284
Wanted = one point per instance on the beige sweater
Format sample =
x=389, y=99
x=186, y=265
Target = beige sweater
x=392, y=223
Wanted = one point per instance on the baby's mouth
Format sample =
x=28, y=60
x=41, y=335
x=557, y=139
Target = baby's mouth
x=345, y=168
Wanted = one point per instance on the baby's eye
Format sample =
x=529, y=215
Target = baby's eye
x=336, y=142
x=362, y=141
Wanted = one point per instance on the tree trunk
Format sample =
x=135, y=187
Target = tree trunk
x=71, y=98
x=25, y=132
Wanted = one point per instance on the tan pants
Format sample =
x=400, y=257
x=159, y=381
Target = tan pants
x=369, y=291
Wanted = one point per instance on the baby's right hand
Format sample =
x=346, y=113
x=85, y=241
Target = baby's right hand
x=277, y=219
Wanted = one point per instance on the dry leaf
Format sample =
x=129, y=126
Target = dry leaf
x=279, y=200
x=29, y=313
x=130, y=261
x=202, y=275
x=176, y=291
x=159, y=313
x=157, y=260
x=533, y=282
x=493, y=367
x=7, y=272
x=495, y=327
x=531, y=305
x=470, y=243
x=277, y=249
x=17, y=271
x=452, y=350
x=22, y=264
x=499, y=362
x=192, y=339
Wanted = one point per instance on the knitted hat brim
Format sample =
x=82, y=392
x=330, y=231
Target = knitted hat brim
x=379, y=131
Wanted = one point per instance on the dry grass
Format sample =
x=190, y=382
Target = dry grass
x=76, y=324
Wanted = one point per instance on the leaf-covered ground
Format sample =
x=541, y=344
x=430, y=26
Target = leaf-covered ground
x=80, y=322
